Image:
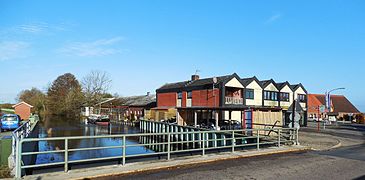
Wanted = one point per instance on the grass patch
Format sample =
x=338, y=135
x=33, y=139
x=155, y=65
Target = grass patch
x=4, y=172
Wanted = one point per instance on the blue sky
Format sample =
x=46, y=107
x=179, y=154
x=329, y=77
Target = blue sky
x=144, y=44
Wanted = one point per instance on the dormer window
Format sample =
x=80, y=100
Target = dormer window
x=270, y=95
x=302, y=98
x=250, y=94
x=284, y=96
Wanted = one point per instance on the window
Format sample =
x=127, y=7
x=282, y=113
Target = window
x=302, y=98
x=190, y=95
x=266, y=95
x=250, y=94
x=179, y=95
x=284, y=96
x=270, y=95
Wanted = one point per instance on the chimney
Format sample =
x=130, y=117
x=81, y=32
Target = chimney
x=148, y=93
x=194, y=77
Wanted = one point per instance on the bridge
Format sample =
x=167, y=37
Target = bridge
x=153, y=139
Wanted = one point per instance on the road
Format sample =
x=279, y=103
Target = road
x=6, y=133
x=342, y=163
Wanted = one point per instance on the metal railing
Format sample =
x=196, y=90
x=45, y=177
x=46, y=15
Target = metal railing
x=21, y=132
x=168, y=142
x=234, y=100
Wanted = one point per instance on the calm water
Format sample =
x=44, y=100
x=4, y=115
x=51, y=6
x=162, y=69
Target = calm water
x=57, y=127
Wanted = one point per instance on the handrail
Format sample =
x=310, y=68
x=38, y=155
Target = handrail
x=194, y=141
x=272, y=128
x=20, y=132
x=145, y=134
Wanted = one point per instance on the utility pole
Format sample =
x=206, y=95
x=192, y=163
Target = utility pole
x=318, y=119
x=328, y=102
x=293, y=114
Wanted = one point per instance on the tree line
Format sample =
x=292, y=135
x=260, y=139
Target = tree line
x=66, y=95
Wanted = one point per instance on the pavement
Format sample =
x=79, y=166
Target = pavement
x=333, y=136
x=145, y=166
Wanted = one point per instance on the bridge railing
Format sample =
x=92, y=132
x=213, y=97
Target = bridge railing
x=168, y=142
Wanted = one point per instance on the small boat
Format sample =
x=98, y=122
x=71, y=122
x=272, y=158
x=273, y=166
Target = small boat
x=93, y=118
x=98, y=119
x=102, y=123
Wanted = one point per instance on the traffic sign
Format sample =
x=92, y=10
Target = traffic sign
x=322, y=108
x=296, y=125
x=297, y=117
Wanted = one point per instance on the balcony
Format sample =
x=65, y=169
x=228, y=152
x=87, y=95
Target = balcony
x=234, y=100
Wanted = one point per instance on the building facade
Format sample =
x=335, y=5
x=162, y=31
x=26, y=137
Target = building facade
x=23, y=109
x=341, y=107
x=231, y=98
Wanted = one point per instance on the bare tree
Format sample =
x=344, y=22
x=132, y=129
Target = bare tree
x=95, y=85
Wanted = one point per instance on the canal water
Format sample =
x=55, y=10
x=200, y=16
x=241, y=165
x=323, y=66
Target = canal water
x=60, y=127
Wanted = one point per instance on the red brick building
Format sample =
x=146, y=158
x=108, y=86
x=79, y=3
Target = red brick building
x=23, y=109
x=340, y=106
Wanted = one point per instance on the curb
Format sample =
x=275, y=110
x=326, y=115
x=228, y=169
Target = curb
x=338, y=145
x=234, y=156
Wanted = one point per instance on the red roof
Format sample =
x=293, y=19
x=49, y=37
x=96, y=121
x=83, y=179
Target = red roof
x=22, y=103
x=339, y=103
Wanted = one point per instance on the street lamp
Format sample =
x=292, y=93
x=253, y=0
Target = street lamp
x=328, y=101
x=328, y=98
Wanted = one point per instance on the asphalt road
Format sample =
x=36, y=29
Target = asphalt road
x=343, y=163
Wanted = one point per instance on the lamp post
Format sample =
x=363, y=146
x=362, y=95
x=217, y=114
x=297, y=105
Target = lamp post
x=328, y=98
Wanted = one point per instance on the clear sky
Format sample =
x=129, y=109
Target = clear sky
x=144, y=44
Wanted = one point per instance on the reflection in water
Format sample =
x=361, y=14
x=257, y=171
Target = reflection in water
x=57, y=127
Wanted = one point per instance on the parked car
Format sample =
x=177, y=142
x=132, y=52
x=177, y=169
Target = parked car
x=231, y=125
x=10, y=122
